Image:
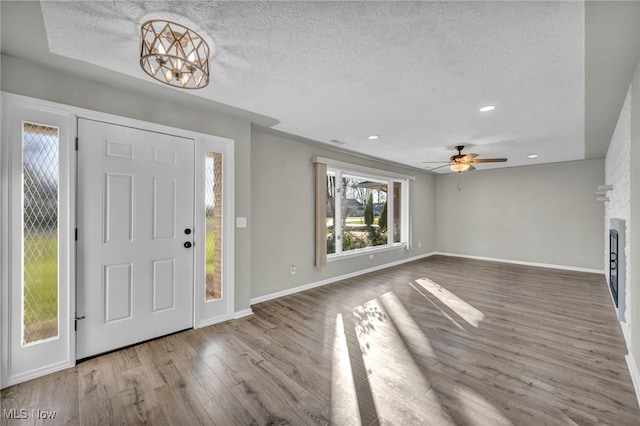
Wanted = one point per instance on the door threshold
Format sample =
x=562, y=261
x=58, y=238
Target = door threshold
x=78, y=361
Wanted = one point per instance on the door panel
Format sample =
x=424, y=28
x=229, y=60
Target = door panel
x=135, y=196
x=164, y=202
x=118, y=220
x=118, y=292
x=163, y=284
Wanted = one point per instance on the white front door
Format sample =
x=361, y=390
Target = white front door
x=135, y=231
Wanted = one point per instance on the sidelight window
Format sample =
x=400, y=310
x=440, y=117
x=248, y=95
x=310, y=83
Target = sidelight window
x=213, y=222
x=40, y=182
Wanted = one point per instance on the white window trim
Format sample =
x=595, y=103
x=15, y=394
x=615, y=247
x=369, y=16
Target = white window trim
x=340, y=167
x=366, y=251
x=207, y=312
x=354, y=168
x=22, y=362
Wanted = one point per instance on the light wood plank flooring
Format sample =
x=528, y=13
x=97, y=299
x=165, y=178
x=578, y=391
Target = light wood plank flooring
x=440, y=341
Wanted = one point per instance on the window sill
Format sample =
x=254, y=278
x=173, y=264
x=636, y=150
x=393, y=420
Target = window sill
x=365, y=252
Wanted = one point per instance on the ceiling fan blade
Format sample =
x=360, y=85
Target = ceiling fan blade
x=435, y=162
x=468, y=157
x=471, y=167
x=439, y=167
x=488, y=160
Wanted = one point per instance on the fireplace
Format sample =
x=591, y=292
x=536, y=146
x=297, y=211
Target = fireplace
x=613, y=265
x=617, y=265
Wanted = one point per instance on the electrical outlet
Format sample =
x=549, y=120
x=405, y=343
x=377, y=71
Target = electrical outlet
x=292, y=269
x=370, y=256
x=419, y=244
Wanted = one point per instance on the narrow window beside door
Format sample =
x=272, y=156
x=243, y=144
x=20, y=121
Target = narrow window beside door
x=40, y=148
x=213, y=222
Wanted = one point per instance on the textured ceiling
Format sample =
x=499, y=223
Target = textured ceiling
x=414, y=73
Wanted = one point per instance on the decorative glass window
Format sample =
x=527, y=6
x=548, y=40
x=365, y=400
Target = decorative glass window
x=40, y=177
x=213, y=219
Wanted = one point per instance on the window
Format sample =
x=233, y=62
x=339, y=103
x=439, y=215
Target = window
x=36, y=159
x=365, y=209
x=214, y=230
x=40, y=232
x=213, y=224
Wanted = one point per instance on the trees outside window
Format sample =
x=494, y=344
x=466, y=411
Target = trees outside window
x=359, y=210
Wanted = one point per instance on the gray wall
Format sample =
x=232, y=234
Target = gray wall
x=543, y=214
x=282, y=229
x=26, y=78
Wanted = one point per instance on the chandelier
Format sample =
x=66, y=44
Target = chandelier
x=174, y=54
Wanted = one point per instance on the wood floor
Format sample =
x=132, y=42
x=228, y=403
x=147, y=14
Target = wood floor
x=441, y=341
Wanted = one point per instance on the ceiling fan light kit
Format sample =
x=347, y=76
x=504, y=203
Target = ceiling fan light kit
x=461, y=167
x=462, y=162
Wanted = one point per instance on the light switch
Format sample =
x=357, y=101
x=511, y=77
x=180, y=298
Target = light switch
x=241, y=222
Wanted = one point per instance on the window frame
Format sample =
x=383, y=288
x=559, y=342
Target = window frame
x=338, y=168
x=24, y=361
x=59, y=239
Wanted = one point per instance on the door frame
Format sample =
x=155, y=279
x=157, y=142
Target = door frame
x=140, y=248
x=25, y=362
x=201, y=317
x=205, y=313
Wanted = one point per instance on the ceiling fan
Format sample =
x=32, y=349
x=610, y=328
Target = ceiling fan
x=462, y=162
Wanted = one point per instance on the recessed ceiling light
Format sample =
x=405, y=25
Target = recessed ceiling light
x=487, y=108
x=372, y=137
x=532, y=156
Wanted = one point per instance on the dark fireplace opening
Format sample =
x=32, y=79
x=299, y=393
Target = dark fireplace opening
x=613, y=265
x=617, y=265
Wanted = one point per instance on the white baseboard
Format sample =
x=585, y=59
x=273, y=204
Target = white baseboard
x=626, y=332
x=518, y=262
x=309, y=286
x=243, y=313
x=223, y=318
x=635, y=374
x=216, y=320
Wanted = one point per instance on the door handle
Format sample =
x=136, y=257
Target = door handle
x=187, y=244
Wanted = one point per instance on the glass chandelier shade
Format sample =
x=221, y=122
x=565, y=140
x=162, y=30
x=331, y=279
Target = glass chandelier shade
x=460, y=167
x=174, y=54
